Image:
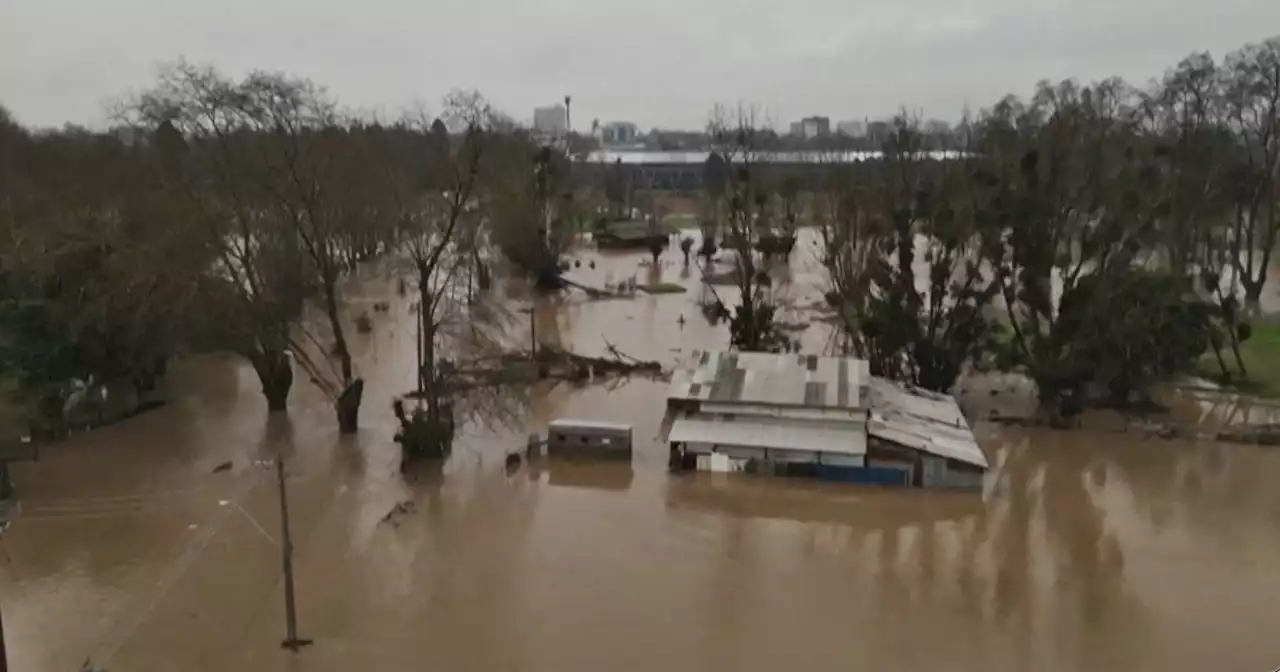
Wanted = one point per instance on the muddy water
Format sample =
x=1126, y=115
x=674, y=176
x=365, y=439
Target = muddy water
x=1090, y=551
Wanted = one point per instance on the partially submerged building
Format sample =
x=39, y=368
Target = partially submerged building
x=632, y=234
x=825, y=417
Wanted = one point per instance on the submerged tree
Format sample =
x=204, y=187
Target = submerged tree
x=1076, y=196
x=715, y=177
x=98, y=278
x=752, y=323
x=903, y=255
x=1151, y=331
x=529, y=200
x=264, y=163
x=439, y=234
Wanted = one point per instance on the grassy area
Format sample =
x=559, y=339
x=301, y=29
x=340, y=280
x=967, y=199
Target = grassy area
x=662, y=288
x=1261, y=355
x=681, y=220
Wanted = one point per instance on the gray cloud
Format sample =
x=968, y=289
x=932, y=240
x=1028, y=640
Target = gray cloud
x=664, y=62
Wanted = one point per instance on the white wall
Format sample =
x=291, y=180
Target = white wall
x=839, y=460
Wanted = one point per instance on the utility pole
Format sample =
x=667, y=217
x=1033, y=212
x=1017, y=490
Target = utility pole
x=6, y=509
x=568, y=117
x=291, y=640
x=533, y=331
x=4, y=653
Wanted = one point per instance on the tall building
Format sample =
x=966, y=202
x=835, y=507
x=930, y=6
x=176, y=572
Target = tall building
x=816, y=127
x=879, y=131
x=812, y=127
x=853, y=128
x=619, y=133
x=552, y=119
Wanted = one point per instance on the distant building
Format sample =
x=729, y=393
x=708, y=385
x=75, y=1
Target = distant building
x=676, y=140
x=825, y=417
x=618, y=133
x=797, y=128
x=814, y=127
x=853, y=128
x=937, y=127
x=552, y=120
x=879, y=131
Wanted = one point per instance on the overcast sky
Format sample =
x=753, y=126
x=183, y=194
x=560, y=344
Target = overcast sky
x=656, y=62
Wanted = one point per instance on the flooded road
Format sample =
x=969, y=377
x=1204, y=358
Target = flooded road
x=1091, y=551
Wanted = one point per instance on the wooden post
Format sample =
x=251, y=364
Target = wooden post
x=291, y=640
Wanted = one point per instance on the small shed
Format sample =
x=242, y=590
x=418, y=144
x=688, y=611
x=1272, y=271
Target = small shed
x=742, y=439
x=632, y=234
x=589, y=438
x=925, y=432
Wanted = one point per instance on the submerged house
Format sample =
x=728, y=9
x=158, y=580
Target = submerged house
x=632, y=234
x=825, y=417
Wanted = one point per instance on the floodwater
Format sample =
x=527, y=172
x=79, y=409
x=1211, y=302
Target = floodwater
x=1090, y=550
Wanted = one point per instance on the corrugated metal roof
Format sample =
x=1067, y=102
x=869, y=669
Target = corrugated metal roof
x=765, y=378
x=850, y=439
x=636, y=229
x=570, y=424
x=922, y=420
x=802, y=413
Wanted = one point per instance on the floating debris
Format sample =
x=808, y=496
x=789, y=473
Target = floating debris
x=225, y=466
x=398, y=511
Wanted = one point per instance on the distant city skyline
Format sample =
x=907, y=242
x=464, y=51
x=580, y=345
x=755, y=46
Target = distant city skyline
x=843, y=60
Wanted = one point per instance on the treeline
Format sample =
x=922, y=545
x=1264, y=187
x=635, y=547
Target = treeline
x=1097, y=238
x=225, y=215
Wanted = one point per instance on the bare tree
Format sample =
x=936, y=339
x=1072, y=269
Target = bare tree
x=439, y=233
x=735, y=137
x=1185, y=120
x=1252, y=94
x=260, y=160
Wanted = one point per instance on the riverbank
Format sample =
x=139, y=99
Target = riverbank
x=1261, y=356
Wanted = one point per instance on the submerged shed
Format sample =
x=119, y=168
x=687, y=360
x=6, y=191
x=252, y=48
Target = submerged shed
x=632, y=234
x=818, y=416
x=929, y=429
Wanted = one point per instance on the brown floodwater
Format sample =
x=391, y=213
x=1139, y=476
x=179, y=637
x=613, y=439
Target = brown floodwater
x=1088, y=550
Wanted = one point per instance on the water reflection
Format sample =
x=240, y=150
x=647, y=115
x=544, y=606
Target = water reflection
x=570, y=473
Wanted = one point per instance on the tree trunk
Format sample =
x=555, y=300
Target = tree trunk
x=1222, y=363
x=1252, y=291
x=1235, y=351
x=347, y=407
x=275, y=371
